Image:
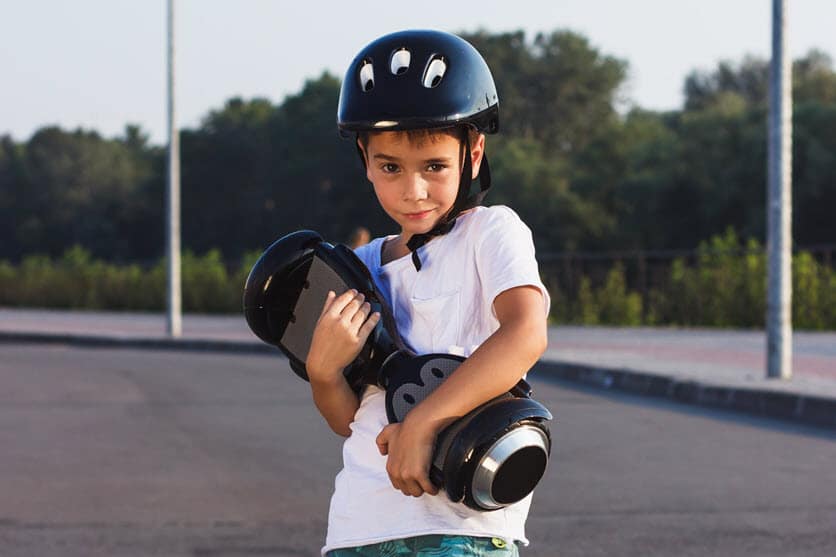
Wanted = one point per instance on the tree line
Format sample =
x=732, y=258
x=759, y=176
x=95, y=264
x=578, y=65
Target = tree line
x=583, y=172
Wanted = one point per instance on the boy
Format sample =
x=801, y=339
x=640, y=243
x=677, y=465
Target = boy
x=460, y=278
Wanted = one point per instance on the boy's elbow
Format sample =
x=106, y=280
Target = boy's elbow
x=539, y=340
x=520, y=310
x=342, y=432
x=537, y=337
x=341, y=428
x=532, y=339
x=529, y=338
x=542, y=342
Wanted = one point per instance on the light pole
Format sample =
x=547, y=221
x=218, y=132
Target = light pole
x=174, y=321
x=779, y=202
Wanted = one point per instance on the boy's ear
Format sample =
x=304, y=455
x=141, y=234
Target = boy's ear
x=477, y=151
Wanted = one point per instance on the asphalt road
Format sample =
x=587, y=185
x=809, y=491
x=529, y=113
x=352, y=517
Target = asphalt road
x=123, y=452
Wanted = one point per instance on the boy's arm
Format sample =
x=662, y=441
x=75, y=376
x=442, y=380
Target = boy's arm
x=496, y=366
x=336, y=402
x=339, y=335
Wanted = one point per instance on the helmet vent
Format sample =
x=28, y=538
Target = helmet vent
x=366, y=76
x=435, y=71
x=400, y=61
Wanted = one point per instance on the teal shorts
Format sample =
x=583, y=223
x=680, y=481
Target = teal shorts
x=432, y=545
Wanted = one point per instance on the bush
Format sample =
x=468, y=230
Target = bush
x=725, y=287
x=617, y=306
x=206, y=284
x=586, y=308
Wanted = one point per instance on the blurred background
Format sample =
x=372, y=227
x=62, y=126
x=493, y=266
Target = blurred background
x=633, y=142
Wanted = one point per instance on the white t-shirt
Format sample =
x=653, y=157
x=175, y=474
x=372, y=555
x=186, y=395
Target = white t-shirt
x=447, y=307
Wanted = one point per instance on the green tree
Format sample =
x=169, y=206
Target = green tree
x=557, y=159
x=77, y=190
x=12, y=190
x=814, y=173
x=557, y=90
x=226, y=177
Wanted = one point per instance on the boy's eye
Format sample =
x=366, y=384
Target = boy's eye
x=436, y=167
x=389, y=167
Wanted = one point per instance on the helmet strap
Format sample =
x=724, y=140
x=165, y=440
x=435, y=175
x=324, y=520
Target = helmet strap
x=464, y=201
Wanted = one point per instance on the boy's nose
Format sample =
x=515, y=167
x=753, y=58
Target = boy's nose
x=415, y=188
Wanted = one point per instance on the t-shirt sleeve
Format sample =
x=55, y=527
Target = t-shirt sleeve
x=505, y=255
x=366, y=253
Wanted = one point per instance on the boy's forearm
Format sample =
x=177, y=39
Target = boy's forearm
x=336, y=402
x=494, y=368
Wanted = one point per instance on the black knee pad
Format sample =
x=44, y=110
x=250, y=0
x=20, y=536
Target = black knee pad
x=490, y=458
x=285, y=292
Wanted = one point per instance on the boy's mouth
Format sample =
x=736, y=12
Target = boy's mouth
x=419, y=215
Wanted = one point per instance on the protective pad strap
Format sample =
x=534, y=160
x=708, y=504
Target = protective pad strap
x=411, y=379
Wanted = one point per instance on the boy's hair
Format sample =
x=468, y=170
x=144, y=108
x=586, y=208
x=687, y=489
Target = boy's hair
x=419, y=136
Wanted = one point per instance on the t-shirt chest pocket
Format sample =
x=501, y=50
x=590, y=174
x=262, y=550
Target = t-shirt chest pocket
x=437, y=320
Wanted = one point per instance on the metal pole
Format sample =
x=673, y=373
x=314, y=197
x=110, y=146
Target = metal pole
x=779, y=204
x=174, y=322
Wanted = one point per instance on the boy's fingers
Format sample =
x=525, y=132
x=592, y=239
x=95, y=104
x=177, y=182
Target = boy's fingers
x=368, y=326
x=382, y=440
x=413, y=488
x=352, y=306
x=329, y=299
x=360, y=315
x=427, y=485
x=339, y=303
x=418, y=484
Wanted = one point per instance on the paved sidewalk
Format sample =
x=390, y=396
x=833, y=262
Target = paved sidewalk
x=720, y=368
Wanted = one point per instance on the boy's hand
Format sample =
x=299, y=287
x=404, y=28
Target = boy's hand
x=410, y=449
x=340, y=333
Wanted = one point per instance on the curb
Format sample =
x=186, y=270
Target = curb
x=798, y=408
x=101, y=341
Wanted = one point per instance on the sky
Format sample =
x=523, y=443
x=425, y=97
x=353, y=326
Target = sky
x=100, y=64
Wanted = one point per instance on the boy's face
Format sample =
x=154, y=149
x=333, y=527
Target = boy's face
x=416, y=181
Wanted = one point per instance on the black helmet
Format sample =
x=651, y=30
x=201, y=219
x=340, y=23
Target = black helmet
x=417, y=79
